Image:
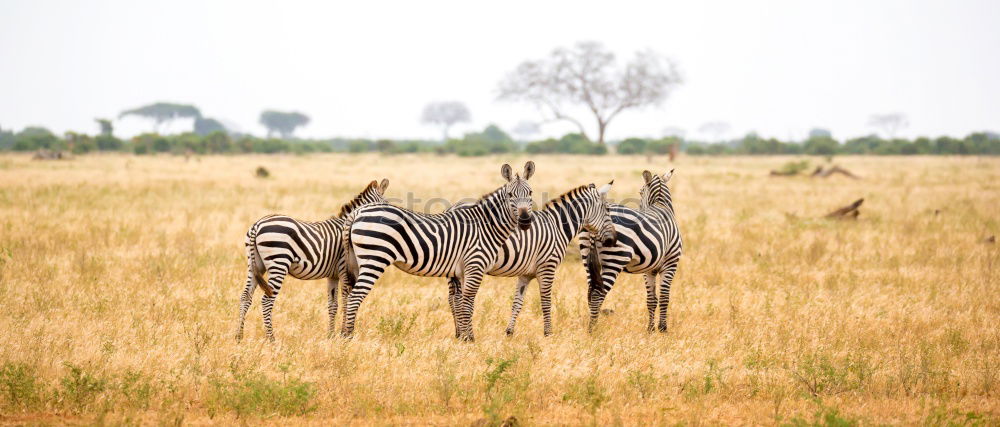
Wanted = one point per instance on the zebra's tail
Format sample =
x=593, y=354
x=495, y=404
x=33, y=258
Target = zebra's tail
x=593, y=268
x=351, y=273
x=257, y=263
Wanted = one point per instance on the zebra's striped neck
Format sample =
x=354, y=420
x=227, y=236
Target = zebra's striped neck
x=493, y=209
x=567, y=211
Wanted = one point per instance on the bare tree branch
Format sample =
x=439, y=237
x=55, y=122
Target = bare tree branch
x=445, y=114
x=889, y=123
x=586, y=75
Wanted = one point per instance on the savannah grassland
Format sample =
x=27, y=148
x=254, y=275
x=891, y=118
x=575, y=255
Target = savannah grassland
x=120, y=277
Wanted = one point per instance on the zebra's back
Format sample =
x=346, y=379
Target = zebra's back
x=650, y=237
x=309, y=250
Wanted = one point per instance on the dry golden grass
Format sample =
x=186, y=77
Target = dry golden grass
x=120, y=278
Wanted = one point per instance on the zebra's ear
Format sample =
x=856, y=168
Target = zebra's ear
x=606, y=188
x=382, y=187
x=529, y=169
x=667, y=176
x=647, y=175
x=505, y=172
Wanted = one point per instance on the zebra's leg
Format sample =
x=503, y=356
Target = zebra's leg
x=666, y=280
x=246, y=299
x=598, y=292
x=333, y=286
x=545, y=278
x=454, y=290
x=472, y=278
x=275, y=277
x=368, y=274
x=515, y=309
x=650, y=299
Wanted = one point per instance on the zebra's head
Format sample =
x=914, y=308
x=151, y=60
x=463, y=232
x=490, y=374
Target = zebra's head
x=655, y=190
x=518, y=193
x=597, y=219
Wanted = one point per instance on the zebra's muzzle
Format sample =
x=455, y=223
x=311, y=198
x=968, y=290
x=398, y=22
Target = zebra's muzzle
x=524, y=221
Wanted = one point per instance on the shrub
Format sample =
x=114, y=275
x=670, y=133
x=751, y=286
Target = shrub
x=632, y=146
x=108, y=143
x=19, y=386
x=825, y=417
x=257, y=395
x=820, y=374
x=503, y=387
x=571, y=143
x=793, y=168
x=642, y=381
x=662, y=146
x=80, y=389
x=821, y=146
x=359, y=146
x=492, y=140
x=396, y=325
x=35, y=138
x=587, y=392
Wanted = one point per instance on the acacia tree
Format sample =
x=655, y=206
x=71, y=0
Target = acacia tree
x=282, y=123
x=163, y=112
x=587, y=75
x=107, y=129
x=204, y=126
x=889, y=123
x=445, y=114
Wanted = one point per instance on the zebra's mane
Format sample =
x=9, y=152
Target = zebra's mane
x=359, y=200
x=487, y=196
x=564, y=196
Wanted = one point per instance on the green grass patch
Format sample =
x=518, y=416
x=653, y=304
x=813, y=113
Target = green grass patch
x=20, y=387
x=257, y=395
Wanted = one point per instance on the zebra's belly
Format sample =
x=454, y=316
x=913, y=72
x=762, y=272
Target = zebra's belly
x=514, y=271
x=639, y=265
x=429, y=271
x=307, y=271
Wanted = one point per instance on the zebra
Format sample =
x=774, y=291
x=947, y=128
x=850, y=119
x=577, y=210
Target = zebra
x=462, y=243
x=280, y=245
x=649, y=243
x=535, y=254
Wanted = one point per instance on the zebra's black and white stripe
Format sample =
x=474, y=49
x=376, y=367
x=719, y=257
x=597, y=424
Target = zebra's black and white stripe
x=536, y=253
x=462, y=243
x=649, y=243
x=280, y=245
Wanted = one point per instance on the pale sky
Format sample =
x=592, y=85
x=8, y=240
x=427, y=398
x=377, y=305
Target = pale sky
x=366, y=69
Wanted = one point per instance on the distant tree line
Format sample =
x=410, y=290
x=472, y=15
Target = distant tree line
x=821, y=143
x=491, y=140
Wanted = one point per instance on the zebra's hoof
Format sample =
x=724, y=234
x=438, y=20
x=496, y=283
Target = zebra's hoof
x=509, y=332
x=663, y=328
x=467, y=338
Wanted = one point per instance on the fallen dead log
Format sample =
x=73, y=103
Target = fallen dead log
x=825, y=173
x=847, y=212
